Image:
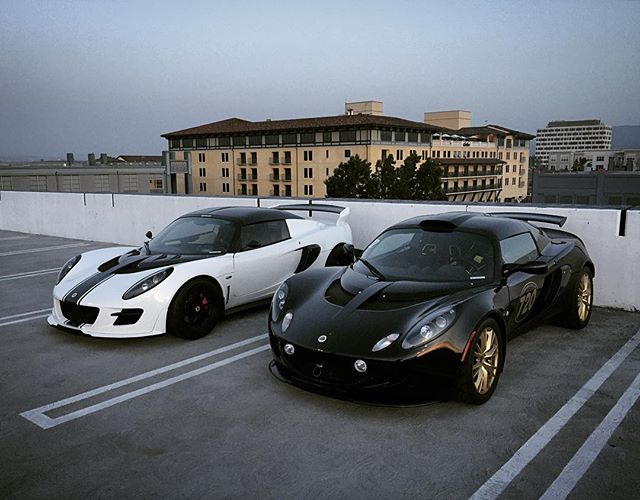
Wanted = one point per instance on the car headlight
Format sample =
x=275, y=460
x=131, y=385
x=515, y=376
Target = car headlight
x=147, y=284
x=432, y=326
x=278, y=301
x=67, y=267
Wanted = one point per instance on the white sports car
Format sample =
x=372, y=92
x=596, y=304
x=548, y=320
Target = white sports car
x=201, y=265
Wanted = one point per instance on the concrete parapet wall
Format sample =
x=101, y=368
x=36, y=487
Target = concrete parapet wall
x=124, y=219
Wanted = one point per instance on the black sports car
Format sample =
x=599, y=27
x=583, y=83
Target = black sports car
x=432, y=295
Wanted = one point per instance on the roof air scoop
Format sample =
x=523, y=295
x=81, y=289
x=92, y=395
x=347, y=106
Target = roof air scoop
x=443, y=226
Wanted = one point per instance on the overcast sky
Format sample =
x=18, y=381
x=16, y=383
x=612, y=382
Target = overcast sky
x=111, y=76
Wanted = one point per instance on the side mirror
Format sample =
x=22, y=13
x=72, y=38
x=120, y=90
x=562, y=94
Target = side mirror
x=149, y=234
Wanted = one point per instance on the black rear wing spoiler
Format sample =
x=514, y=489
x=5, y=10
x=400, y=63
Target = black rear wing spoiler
x=319, y=207
x=557, y=220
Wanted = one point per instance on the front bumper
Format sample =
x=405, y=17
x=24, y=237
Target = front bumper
x=108, y=322
x=337, y=373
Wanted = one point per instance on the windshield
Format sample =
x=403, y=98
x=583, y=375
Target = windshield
x=194, y=236
x=414, y=254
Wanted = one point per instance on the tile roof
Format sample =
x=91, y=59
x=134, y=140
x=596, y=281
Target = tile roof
x=239, y=126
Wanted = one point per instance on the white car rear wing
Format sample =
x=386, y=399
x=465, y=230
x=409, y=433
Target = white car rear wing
x=319, y=207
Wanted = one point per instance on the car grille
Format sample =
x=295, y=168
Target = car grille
x=77, y=314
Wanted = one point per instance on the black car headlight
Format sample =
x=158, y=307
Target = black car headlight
x=67, y=267
x=147, y=284
x=432, y=326
x=278, y=301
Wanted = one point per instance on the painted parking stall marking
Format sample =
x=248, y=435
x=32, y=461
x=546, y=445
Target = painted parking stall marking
x=38, y=417
x=43, y=249
x=22, y=317
x=29, y=274
x=497, y=483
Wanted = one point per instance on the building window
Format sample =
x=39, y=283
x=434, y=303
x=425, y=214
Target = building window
x=254, y=158
x=276, y=190
x=384, y=154
x=272, y=140
x=399, y=154
x=225, y=171
x=175, y=144
x=201, y=157
x=255, y=140
x=385, y=136
x=308, y=190
x=155, y=185
x=203, y=186
x=308, y=173
x=308, y=138
x=100, y=183
x=326, y=154
x=254, y=189
x=287, y=190
x=401, y=136
x=202, y=172
x=347, y=153
x=326, y=136
x=225, y=187
x=243, y=189
x=412, y=137
x=287, y=157
x=289, y=138
x=224, y=157
x=347, y=136
x=308, y=155
x=187, y=143
x=327, y=172
x=129, y=183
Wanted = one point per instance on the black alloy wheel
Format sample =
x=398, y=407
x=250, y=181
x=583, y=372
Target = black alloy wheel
x=194, y=310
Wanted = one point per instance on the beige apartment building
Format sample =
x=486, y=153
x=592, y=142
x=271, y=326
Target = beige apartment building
x=294, y=157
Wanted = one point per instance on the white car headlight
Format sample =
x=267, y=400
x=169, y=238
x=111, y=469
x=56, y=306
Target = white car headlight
x=67, y=267
x=432, y=326
x=147, y=284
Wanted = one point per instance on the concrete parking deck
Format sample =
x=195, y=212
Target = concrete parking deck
x=85, y=417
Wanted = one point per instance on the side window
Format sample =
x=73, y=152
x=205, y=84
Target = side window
x=262, y=234
x=519, y=249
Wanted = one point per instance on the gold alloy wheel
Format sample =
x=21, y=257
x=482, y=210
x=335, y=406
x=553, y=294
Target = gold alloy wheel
x=485, y=363
x=585, y=294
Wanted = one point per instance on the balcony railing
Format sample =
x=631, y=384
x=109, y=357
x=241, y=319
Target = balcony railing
x=274, y=161
x=240, y=161
x=471, y=174
x=473, y=189
x=247, y=177
x=523, y=159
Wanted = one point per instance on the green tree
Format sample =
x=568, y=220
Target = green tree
x=351, y=179
x=428, y=182
x=384, y=178
x=405, y=186
x=579, y=164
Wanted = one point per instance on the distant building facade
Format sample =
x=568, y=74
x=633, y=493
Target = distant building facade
x=587, y=188
x=111, y=175
x=602, y=159
x=577, y=135
x=294, y=157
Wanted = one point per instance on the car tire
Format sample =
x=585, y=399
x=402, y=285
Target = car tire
x=194, y=310
x=580, y=301
x=477, y=377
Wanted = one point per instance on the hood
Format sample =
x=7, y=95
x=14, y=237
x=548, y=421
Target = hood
x=138, y=260
x=355, y=311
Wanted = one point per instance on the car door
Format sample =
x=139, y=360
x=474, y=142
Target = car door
x=267, y=256
x=525, y=289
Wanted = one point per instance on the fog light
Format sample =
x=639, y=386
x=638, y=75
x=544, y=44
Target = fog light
x=289, y=349
x=360, y=366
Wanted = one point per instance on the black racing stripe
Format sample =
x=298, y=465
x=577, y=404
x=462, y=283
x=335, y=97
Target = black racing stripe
x=74, y=295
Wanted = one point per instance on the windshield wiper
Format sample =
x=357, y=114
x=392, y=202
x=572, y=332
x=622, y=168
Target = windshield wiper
x=372, y=268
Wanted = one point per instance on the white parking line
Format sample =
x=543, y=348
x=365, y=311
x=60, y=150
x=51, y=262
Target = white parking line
x=38, y=417
x=589, y=451
x=29, y=274
x=43, y=249
x=497, y=483
x=31, y=315
x=9, y=238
